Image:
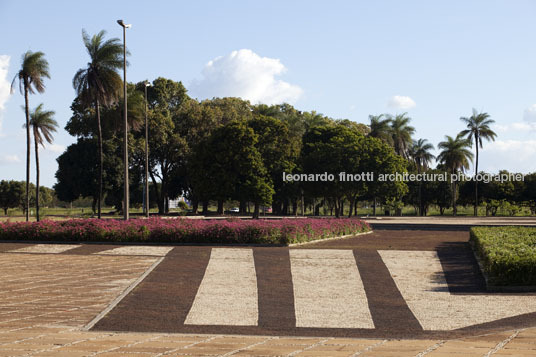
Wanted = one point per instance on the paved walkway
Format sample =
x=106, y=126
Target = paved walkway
x=49, y=294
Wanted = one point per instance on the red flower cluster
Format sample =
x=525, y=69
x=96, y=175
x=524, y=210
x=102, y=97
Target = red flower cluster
x=283, y=231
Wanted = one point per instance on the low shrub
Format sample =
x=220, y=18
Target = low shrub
x=181, y=230
x=508, y=254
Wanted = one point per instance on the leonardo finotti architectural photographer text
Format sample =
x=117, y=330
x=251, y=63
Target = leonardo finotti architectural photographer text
x=405, y=176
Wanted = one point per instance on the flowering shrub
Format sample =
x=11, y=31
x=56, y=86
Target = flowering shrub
x=284, y=231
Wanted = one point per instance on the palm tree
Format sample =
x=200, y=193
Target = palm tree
x=455, y=155
x=380, y=128
x=99, y=83
x=401, y=133
x=478, y=129
x=34, y=69
x=43, y=125
x=420, y=153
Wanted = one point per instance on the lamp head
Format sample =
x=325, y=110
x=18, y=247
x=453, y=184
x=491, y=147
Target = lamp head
x=121, y=23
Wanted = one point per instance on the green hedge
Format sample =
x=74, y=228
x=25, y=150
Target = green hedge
x=508, y=254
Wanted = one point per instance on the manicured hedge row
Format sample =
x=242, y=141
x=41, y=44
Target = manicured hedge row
x=232, y=231
x=508, y=254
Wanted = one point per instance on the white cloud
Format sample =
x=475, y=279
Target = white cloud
x=4, y=85
x=401, y=102
x=512, y=155
x=9, y=159
x=529, y=114
x=55, y=148
x=245, y=74
x=517, y=126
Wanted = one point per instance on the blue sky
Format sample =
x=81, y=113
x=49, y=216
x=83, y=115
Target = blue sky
x=347, y=59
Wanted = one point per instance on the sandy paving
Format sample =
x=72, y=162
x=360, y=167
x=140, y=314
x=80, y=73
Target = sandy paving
x=138, y=250
x=228, y=293
x=420, y=278
x=328, y=291
x=47, y=248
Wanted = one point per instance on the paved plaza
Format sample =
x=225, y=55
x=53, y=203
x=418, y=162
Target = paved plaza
x=389, y=293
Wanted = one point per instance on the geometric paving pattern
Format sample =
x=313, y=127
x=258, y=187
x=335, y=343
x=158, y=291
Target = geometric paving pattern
x=310, y=292
x=46, y=298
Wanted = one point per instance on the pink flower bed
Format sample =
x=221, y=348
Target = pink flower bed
x=284, y=231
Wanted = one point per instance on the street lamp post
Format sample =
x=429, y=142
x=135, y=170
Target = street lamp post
x=147, y=84
x=125, y=122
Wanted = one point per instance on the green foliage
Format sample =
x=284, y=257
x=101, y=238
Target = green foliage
x=380, y=128
x=100, y=82
x=508, y=254
x=229, y=166
x=401, y=133
x=34, y=69
x=77, y=174
x=11, y=194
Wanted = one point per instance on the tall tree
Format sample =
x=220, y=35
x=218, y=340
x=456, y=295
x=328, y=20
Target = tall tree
x=478, y=129
x=380, y=128
x=401, y=133
x=455, y=155
x=43, y=125
x=99, y=83
x=168, y=146
x=420, y=153
x=34, y=69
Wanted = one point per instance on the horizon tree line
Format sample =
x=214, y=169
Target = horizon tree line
x=180, y=126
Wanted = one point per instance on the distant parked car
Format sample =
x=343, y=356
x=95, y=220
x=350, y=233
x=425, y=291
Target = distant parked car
x=235, y=210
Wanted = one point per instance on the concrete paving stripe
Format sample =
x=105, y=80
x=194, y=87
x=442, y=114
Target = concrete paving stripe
x=138, y=250
x=328, y=291
x=228, y=293
x=46, y=248
x=420, y=278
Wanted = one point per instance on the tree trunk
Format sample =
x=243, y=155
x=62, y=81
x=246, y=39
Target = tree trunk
x=99, y=142
x=256, y=211
x=374, y=206
x=37, y=176
x=242, y=207
x=421, y=211
x=205, y=207
x=220, y=206
x=476, y=173
x=352, y=200
x=28, y=148
x=285, y=207
x=454, y=208
x=159, y=198
x=195, y=206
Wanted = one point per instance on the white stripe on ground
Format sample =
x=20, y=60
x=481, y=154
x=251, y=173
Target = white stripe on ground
x=328, y=291
x=46, y=248
x=420, y=278
x=138, y=250
x=228, y=292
